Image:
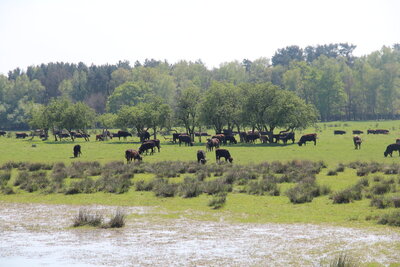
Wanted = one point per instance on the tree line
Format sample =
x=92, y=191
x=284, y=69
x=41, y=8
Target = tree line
x=328, y=77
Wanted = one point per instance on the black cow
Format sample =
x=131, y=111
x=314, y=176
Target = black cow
x=21, y=135
x=144, y=136
x=175, y=136
x=201, y=157
x=3, y=133
x=250, y=137
x=381, y=131
x=99, y=137
x=185, y=139
x=77, y=151
x=201, y=134
x=223, y=153
x=287, y=136
x=357, y=132
x=390, y=148
x=123, y=134
x=308, y=138
x=336, y=132
x=132, y=154
x=156, y=143
x=147, y=146
x=357, y=142
x=231, y=139
x=264, y=139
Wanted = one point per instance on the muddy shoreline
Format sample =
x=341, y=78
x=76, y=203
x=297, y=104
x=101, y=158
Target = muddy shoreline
x=40, y=235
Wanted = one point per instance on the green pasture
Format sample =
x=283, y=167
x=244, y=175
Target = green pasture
x=239, y=207
x=331, y=149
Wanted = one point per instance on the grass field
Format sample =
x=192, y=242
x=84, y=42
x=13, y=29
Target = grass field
x=239, y=206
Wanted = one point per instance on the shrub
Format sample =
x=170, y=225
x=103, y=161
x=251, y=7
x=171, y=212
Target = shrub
x=216, y=186
x=35, y=181
x=363, y=182
x=143, y=186
x=6, y=190
x=392, y=219
x=190, y=187
x=340, y=167
x=344, y=260
x=5, y=176
x=117, y=221
x=162, y=188
x=59, y=172
x=85, y=217
x=332, y=173
x=262, y=187
x=395, y=200
x=391, y=169
x=22, y=177
x=379, y=202
x=218, y=200
x=113, y=183
x=380, y=189
x=303, y=192
x=347, y=195
x=86, y=186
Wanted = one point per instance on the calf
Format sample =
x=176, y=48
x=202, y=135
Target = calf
x=308, y=138
x=390, y=148
x=132, y=154
x=77, y=151
x=357, y=142
x=175, y=136
x=99, y=137
x=2, y=133
x=201, y=156
x=147, y=146
x=223, y=153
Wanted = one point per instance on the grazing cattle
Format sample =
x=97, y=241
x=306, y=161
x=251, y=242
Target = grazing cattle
x=390, y=148
x=378, y=131
x=132, y=154
x=3, y=133
x=201, y=157
x=223, y=153
x=114, y=134
x=357, y=142
x=357, y=132
x=77, y=151
x=336, y=132
x=147, y=146
x=99, y=137
x=285, y=136
x=144, y=136
x=156, y=143
x=185, y=139
x=21, y=135
x=123, y=134
x=308, y=138
x=231, y=139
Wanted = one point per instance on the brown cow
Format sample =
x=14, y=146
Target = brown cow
x=132, y=154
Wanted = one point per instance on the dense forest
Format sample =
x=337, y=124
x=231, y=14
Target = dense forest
x=328, y=77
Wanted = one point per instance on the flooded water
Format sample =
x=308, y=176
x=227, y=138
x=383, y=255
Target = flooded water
x=41, y=235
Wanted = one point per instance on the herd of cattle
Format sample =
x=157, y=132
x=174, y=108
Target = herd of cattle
x=213, y=142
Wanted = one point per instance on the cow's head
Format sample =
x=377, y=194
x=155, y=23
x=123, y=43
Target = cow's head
x=385, y=154
x=230, y=159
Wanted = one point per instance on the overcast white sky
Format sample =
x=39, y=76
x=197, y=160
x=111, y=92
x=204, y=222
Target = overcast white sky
x=99, y=31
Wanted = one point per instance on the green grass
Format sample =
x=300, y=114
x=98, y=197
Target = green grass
x=239, y=207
